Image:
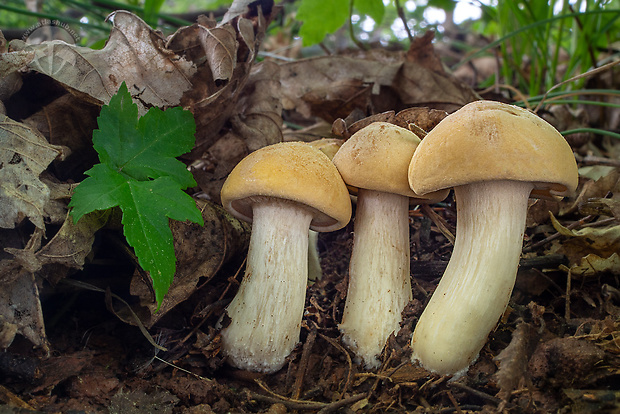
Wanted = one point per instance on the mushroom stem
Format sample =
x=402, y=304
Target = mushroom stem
x=379, y=279
x=476, y=286
x=266, y=313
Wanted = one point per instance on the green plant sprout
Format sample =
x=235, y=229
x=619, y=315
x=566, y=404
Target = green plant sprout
x=139, y=173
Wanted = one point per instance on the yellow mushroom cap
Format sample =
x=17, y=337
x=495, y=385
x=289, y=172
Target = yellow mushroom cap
x=377, y=158
x=488, y=140
x=293, y=171
x=329, y=146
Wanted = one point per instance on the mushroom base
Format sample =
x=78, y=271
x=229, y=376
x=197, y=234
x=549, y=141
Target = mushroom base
x=266, y=313
x=476, y=286
x=379, y=274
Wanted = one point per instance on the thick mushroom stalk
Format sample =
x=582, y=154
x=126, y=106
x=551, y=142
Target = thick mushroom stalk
x=476, y=286
x=267, y=311
x=379, y=281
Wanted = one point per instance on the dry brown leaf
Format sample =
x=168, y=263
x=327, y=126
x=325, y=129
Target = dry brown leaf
x=69, y=122
x=566, y=362
x=257, y=123
x=423, y=118
x=134, y=53
x=224, y=56
x=25, y=155
x=596, y=188
x=577, y=244
x=20, y=307
x=423, y=52
x=332, y=86
x=200, y=251
x=601, y=206
x=592, y=265
x=10, y=79
x=259, y=119
x=513, y=359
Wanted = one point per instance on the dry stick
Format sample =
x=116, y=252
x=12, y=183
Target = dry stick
x=292, y=404
x=601, y=223
x=574, y=78
x=303, y=363
x=454, y=402
x=439, y=221
x=136, y=319
x=592, y=160
x=476, y=393
x=511, y=88
x=301, y=404
x=335, y=344
x=401, y=14
x=554, y=236
x=182, y=369
x=336, y=405
x=569, y=277
x=220, y=301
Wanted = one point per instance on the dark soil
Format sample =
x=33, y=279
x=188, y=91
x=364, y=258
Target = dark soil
x=98, y=363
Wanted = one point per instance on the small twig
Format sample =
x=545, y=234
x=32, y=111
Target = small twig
x=181, y=369
x=518, y=94
x=475, y=392
x=454, y=402
x=401, y=15
x=554, y=236
x=601, y=223
x=295, y=404
x=569, y=278
x=303, y=363
x=593, y=160
x=136, y=319
x=439, y=221
x=574, y=78
x=341, y=403
x=336, y=345
x=292, y=404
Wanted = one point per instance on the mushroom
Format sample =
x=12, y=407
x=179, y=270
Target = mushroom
x=284, y=190
x=374, y=161
x=329, y=146
x=495, y=156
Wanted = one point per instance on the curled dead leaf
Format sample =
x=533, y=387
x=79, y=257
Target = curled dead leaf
x=21, y=310
x=200, y=252
x=134, y=53
x=25, y=155
x=332, y=86
x=10, y=79
x=600, y=241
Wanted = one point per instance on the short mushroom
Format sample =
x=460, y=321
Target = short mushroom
x=328, y=146
x=284, y=190
x=495, y=156
x=375, y=161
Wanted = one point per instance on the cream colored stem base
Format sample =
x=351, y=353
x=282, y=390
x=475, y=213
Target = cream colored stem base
x=379, y=280
x=476, y=286
x=266, y=313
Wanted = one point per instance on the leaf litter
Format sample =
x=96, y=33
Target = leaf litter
x=555, y=349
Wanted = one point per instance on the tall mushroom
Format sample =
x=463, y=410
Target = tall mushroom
x=495, y=156
x=375, y=161
x=284, y=190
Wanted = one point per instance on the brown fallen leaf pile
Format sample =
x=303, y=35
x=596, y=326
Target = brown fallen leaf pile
x=78, y=323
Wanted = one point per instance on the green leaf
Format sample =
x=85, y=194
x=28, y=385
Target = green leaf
x=144, y=148
x=321, y=17
x=373, y=8
x=140, y=174
x=151, y=9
